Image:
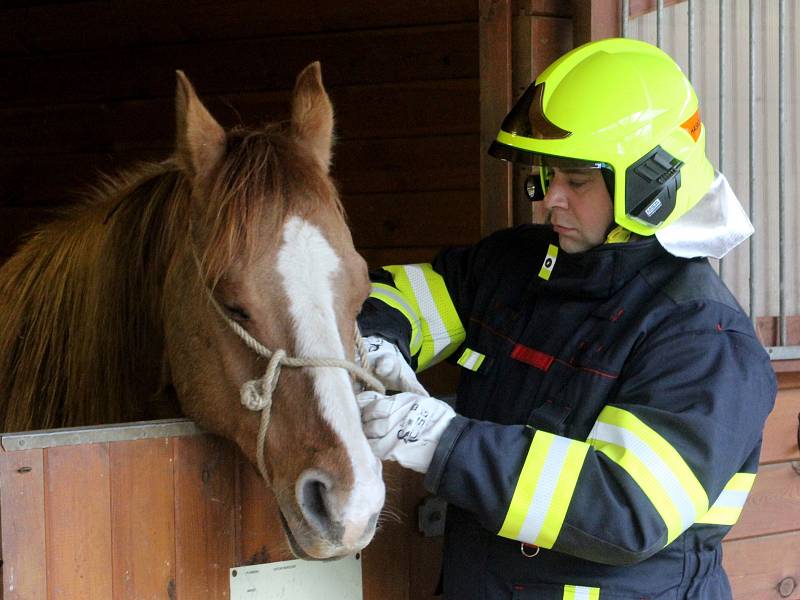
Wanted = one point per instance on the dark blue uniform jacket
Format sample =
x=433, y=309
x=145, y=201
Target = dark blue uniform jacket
x=614, y=422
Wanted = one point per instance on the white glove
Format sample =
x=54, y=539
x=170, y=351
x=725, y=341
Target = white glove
x=389, y=366
x=405, y=427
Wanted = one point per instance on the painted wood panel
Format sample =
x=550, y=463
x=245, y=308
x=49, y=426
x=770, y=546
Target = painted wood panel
x=261, y=533
x=781, y=433
x=62, y=26
x=765, y=568
x=205, y=516
x=142, y=519
x=376, y=56
x=78, y=522
x=406, y=109
x=23, y=525
x=360, y=166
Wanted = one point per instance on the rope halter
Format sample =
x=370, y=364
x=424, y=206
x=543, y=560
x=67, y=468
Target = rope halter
x=256, y=394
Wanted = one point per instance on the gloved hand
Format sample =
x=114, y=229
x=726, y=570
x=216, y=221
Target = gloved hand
x=405, y=427
x=389, y=366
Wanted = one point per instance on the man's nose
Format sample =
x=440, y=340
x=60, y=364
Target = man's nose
x=555, y=196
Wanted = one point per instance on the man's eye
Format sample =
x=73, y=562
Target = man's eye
x=576, y=183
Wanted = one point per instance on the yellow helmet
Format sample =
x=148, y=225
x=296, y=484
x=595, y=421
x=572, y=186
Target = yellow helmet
x=623, y=106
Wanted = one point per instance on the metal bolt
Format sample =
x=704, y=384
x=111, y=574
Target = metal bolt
x=786, y=587
x=233, y=573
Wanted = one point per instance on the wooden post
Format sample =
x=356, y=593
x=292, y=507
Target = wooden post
x=495, y=95
x=595, y=19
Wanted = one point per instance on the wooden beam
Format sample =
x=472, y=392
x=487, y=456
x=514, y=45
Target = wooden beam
x=495, y=72
x=595, y=20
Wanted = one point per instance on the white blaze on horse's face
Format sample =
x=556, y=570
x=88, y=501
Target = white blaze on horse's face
x=308, y=266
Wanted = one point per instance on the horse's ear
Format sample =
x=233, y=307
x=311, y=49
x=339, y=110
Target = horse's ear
x=312, y=114
x=200, y=139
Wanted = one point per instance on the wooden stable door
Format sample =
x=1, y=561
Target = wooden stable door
x=167, y=517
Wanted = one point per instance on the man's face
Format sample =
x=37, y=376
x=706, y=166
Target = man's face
x=579, y=208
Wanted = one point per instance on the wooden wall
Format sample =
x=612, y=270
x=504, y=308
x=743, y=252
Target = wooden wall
x=167, y=518
x=88, y=86
x=762, y=551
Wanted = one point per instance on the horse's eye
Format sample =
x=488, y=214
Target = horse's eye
x=237, y=312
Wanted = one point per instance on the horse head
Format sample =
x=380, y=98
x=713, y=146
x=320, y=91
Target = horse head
x=267, y=247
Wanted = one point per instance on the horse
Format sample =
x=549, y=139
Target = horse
x=142, y=293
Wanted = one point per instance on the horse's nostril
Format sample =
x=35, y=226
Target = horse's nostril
x=313, y=497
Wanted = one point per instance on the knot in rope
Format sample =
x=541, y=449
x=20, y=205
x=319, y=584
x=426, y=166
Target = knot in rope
x=257, y=394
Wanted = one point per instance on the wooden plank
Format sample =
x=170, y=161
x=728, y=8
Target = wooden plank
x=781, y=430
x=386, y=560
x=360, y=166
x=22, y=522
x=425, y=558
x=408, y=109
x=58, y=180
x=542, y=8
x=143, y=518
x=205, y=517
x=595, y=19
x=638, y=8
x=788, y=380
x=495, y=35
x=391, y=55
x=447, y=218
x=78, y=522
x=764, y=568
x=146, y=22
x=408, y=164
x=262, y=537
x=774, y=503
x=378, y=257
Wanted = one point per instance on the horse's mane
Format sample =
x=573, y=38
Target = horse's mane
x=80, y=302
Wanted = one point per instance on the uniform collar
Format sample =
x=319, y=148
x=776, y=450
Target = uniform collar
x=602, y=271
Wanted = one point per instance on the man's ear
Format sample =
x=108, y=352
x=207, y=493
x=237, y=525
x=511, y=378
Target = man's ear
x=312, y=115
x=200, y=141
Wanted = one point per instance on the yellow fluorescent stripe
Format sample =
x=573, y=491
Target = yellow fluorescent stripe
x=562, y=496
x=447, y=311
x=649, y=484
x=569, y=592
x=465, y=357
x=665, y=451
x=720, y=515
x=741, y=482
x=404, y=285
x=526, y=485
x=549, y=262
x=387, y=295
x=468, y=355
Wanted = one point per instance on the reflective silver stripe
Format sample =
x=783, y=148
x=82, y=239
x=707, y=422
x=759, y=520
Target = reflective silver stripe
x=427, y=306
x=470, y=364
x=581, y=593
x=545, y=488
x=653, y=463
x=731, y=499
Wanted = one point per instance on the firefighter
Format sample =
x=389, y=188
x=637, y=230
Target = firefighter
x=608, y=419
